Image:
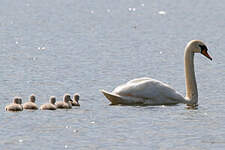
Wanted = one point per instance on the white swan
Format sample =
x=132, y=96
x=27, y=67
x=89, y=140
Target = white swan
x=148, y=91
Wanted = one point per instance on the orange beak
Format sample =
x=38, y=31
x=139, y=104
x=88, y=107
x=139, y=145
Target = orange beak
x=204, y=52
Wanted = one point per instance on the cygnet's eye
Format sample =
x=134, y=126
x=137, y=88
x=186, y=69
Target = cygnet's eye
x=203, y=48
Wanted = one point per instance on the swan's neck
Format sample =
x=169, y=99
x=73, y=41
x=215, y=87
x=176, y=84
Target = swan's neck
x=191, y=86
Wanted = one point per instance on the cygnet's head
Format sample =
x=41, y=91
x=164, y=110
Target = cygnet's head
x=67, y=98
x=20, y=100
x=198, y=46
x=32, y=98
x=52, y=100
x=76, y=97
x=17, y=100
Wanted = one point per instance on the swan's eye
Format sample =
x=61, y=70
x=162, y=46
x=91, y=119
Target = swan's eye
x=203, y=48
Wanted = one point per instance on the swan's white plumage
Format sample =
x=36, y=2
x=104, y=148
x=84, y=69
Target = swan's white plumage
x=153, y=92
x=147, y=91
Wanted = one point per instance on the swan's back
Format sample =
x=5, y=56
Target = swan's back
x=150, y=91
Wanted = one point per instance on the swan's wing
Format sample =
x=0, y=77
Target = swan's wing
x=148, y=88
x=117, y=99
x=113, y=98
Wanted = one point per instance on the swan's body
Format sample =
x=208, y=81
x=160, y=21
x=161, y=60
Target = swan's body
x=76, y=98
x=66, y=104
x=31, y=104
x=15, y=106
x=50, y=105
x=148, y=91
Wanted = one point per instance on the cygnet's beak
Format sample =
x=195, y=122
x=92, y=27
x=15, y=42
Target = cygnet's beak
x=205, y=53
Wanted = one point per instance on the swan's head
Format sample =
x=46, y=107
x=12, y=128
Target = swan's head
x=67, y=98
x=76, y=97
x=32, y=98
x=198, y=46
x=52, y=100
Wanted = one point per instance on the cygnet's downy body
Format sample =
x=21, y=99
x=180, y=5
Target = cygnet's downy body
x=50, y=105
x=15, y=106
x=31, y=104
x=65, y=104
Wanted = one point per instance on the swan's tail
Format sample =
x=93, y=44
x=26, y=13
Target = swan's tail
x=113, y=98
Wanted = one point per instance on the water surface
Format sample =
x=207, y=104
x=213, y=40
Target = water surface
x=56, y=47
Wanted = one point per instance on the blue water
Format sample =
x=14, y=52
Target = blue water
x=50, y=48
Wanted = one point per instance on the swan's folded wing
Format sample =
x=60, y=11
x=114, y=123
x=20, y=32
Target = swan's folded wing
x=113, y=98
x=147, y=88
x=118, y=99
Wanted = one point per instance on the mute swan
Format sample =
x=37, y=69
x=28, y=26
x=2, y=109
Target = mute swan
x=148, y=91
x=66, y=104
x=50, y=105
x=76, y=98
x=15, y=106
x=31, y=104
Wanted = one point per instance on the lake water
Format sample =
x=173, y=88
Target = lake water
x=57, y=47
